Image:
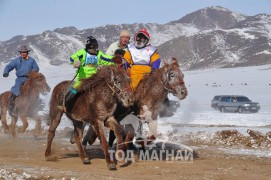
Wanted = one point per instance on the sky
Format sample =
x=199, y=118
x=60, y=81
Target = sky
x=29, y=17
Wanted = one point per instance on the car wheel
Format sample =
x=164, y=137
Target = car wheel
x=223, y=109
x=241, y=110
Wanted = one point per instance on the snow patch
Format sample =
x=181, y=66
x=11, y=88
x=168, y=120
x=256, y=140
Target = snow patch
x=264, y=52
x=243, y=33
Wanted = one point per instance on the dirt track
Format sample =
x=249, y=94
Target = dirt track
x=23, y=158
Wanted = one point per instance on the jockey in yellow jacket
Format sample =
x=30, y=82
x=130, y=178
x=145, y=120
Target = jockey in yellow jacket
x=141, y=57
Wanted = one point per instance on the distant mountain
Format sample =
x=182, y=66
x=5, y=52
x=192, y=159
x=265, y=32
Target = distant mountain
x=247, y=43
x=55, y=47
x=214, y=17
x=213, y=37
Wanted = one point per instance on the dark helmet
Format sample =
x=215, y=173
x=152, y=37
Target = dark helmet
x=119, y=52
x=91, y=43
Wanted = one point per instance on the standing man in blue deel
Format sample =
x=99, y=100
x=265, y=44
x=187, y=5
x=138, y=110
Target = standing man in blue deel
x=23, y=65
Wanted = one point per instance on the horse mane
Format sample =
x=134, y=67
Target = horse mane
x=28, y=85
x=29, y=92
x=154, y=79
x=100, y=78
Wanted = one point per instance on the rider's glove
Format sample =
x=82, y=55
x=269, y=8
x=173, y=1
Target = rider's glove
x=5, y=75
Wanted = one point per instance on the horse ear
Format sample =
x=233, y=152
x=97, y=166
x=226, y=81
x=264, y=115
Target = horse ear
x=165, y=62
x=175, y=62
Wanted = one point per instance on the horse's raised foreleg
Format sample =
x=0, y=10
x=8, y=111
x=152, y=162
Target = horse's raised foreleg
x=78, y=131
x=13, y=125
x=55, y=120
x=100, y=130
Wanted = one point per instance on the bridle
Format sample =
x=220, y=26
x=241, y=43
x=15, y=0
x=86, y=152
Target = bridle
x=171, y=87
x=116, y=89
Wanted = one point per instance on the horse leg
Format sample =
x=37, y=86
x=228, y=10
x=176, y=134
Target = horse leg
x=25, y=124
x=112, y=124
x=78, y=125
x=153, y=131
x=99, y=127
x=4, y=119
x=37, y=130
x=129, y=136
x=55, y=120
x=72, y=140
x=13, y=125
x=90, y=136
x=112, y=138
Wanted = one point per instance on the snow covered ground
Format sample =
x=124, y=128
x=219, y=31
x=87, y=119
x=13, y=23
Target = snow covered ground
x=196, y=117
x=195, y=114
x=203, y=85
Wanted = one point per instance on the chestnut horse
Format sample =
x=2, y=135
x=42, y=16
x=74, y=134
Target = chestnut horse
x=96, y=102
x=151, y=92
x=26, y=104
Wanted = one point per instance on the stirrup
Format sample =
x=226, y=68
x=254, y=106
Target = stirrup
x=62, y=108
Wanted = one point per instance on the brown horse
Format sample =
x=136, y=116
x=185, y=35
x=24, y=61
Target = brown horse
x=96, y=102
x=26, y=104
x=152, y=92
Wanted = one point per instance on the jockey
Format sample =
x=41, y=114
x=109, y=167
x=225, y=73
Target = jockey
x=23, y=65
x=142, y=58
x=87, y=60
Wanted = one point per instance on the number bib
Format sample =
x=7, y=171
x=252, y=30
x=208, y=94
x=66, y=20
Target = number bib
x=91, y=59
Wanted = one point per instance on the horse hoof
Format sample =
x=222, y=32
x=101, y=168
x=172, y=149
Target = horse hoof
x=72, y=141
x=86, y=161
x=6, y=131
x=52, y=158
x=111, y=166
x=20, y=130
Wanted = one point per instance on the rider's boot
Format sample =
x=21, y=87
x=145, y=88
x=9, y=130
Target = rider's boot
x=68, y=100
x=11, y=103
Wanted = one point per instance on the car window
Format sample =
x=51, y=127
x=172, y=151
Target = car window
x=216, y=97
x=228, y=99
x=224, y=99
x=242, y=99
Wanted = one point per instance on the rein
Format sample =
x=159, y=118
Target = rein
x=180, y=82
x=115, y=87
x=119, y=90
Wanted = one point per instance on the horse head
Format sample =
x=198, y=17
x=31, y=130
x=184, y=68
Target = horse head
x=172, y=79
x=38, y=81
x=119, y=83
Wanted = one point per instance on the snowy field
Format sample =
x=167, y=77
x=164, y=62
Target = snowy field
x=203, y=85
x=195, y=115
